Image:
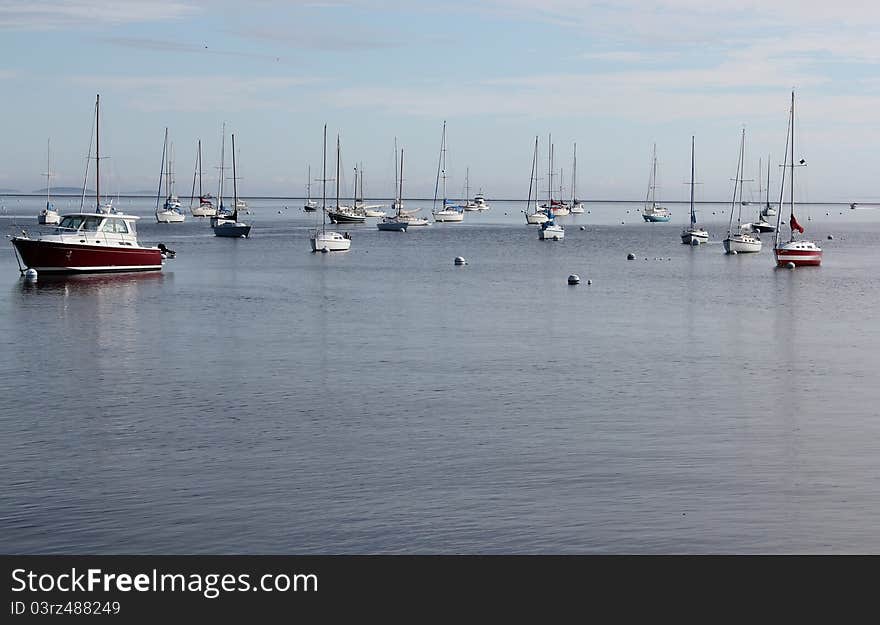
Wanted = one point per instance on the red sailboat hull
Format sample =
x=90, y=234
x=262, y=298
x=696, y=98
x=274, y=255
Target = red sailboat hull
x=800, y=258
x=57, y=257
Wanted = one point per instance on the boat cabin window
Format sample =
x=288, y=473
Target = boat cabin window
x=115, y=225
x=90, y=223
x=71, y=222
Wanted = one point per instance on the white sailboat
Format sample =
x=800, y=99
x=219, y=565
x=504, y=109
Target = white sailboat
x=311, y=205
x=577, y=207
x=222, y=212
x=741, y=240
x=449, y=212
x=694, y=234
x=342, y=214
x=170, y=212
x=230, y=226
x=800, y=252
x=534, y=214
x=48, y=216
x=206, y=206
x=761, y=224
x=550, y=230
x=654, y=212
x=320, y=239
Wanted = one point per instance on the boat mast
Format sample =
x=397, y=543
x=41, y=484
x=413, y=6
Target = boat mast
x=338, y=173
x=361, y=194
x=234, y=183
x=354, y=193
x=654, y=176
x=48, y=171
x=467, y=186
x=574, y=175
x=767, y=201
x=400, y=192
x=533, y=177
x=309, y=184
x=550, y=176
x=161, y=170
x=693, y=214
x=192, y=193
x=791, y=181
x=443, y=153
x=97, y=155
x=395, y=166
x=168, y=171
x=222, y=167
x=324, y=185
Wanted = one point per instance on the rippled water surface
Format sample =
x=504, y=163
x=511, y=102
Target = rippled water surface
x=256, y=398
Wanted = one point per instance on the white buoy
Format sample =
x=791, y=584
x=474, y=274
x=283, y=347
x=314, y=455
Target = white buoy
x=734, y=252
x=790, y=265
x=30, y=275
x=460, y=260
x=630, y=256
x=574, y=279
x=830, y=237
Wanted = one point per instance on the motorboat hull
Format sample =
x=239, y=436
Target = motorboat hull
x=655, y=218
x=58, y=257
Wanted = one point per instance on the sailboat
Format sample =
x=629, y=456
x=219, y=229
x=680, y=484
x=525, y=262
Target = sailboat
x=205, y=207
x=741, y=240
x=341, y=214
x=449, y=212
x=48, y=216
x=550, y=230
x=693, y=234
x=768, y=210
x=800, y=252
x=555, y=207
x=370, y=210
x=311, y=205
x=170, y=212
x=102, y=241
x=537, y=216
x=231, y=226
x=654, y=212
x=320, y=239
x=222, y=212
x=762, y=225
x=395, y=223
x=577, y=207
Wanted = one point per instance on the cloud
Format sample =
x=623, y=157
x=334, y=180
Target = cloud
x=59, y=14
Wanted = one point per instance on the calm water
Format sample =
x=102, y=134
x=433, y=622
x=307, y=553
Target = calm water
x=257, y=398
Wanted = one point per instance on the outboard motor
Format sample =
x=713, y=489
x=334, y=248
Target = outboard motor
x=166, y=253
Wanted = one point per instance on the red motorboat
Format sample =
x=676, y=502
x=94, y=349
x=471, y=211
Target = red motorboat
x=90, y=242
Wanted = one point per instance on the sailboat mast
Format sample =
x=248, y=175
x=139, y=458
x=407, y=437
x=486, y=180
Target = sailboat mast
x=48, y=171
x=361, y=194
x=222, y=168
x=161, y=170
x=767, y=201
x=97, y=154
x=574, y=164
x=200, y=170
x=693, y=214
x=354, y=193
x=324, y=184
x=791, y=181
x=443, y=157
x=234, y=183
x=400, y=192
x=532, y=179
x=309, y=184
x=654, y=175
x=338, y=173
x=550, y=174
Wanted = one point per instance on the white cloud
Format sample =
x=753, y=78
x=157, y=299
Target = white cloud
x=57, y=14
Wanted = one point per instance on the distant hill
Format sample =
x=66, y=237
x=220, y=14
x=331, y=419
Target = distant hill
x=64, y=191
x=9, y=191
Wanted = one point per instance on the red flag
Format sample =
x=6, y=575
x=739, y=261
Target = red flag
x=795, y=225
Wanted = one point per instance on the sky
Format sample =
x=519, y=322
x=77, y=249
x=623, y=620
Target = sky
x=615, y=78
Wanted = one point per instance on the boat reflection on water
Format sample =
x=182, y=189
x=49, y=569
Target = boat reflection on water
x=85, y=283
